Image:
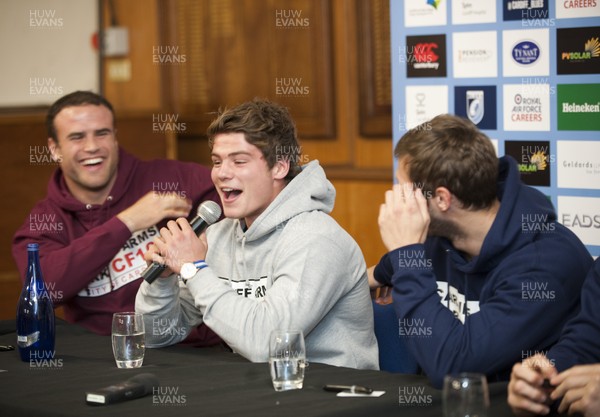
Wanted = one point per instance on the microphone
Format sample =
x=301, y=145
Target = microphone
x=136, y=387
x=208, y=213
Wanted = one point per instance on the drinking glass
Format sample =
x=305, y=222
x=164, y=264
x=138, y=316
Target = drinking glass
x=287, y=359
x=465, y=395
x=128, y=339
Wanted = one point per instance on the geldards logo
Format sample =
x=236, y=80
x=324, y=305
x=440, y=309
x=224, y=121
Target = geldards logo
x=426, y=56
x=478, y=104
x=533, y=159
x=578, y=51
x=578, y=106
x=578, y=164
x=434, y=3
x=525, y=52
x=525, y=9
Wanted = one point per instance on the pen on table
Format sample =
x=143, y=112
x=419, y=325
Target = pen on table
x=354, y=389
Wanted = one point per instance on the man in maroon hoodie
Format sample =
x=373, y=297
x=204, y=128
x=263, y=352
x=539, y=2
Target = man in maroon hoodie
x=102, y=211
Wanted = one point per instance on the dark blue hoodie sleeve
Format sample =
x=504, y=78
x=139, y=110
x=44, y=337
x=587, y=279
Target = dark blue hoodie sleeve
x=508, y=325
x=580, y=340
x=383, y=270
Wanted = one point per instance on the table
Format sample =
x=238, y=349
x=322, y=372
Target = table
x=199, y=382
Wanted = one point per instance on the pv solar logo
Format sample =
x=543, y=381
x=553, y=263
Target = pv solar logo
x=526, y=52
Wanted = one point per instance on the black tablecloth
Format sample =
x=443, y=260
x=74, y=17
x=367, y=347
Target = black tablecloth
x=199, y=382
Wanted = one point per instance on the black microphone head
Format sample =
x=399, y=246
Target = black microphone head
x=149, y=381
x=209, y=211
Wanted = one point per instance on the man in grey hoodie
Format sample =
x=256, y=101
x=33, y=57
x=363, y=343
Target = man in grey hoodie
x=277, y=260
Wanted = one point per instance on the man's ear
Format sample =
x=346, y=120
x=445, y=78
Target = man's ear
x=281, y=168
x=53, y=147
x=442, y=198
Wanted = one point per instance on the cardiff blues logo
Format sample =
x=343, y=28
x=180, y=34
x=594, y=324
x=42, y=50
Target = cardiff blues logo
x=475, y=107
x=525, y=53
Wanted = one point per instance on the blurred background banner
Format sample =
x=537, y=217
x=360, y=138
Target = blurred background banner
x=527, y=73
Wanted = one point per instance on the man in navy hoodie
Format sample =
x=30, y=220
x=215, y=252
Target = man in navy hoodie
x=482, y=273
x=576, y=356
x=102, y=211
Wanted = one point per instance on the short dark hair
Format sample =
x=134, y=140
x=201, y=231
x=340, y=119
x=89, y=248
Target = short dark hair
x=266, y=125
x=449, y=151
x=76, y=98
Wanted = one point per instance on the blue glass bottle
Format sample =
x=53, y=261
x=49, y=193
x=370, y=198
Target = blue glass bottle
x=35, y=313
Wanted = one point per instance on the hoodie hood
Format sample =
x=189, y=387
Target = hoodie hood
x=524, y=213
x=59, y=193
x=308, y=191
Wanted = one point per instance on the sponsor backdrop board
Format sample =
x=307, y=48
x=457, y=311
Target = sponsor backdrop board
x=527, y=72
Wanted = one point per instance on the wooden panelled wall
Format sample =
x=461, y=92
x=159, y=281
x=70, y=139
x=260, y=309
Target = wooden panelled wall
x=328, y=61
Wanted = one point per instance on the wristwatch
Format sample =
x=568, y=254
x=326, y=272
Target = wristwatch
x=189, y=269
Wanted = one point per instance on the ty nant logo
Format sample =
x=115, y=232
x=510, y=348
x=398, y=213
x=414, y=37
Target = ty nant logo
x=424, y=52
x=591, y=50
x=526, y=53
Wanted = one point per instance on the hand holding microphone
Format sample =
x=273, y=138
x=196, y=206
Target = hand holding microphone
x=176, y=239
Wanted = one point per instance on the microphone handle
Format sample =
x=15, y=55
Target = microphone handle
x=153, y=272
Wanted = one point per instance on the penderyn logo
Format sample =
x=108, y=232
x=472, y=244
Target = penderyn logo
x=578, y=106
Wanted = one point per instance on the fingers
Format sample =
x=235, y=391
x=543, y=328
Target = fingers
x=570, y=398
x=571, y=382
x=525, y=393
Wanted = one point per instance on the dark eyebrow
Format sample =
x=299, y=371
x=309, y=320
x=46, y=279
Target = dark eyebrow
x=96, y=132
x=232, y=154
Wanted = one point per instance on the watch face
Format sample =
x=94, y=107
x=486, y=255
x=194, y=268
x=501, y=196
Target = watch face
x=188, y=270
